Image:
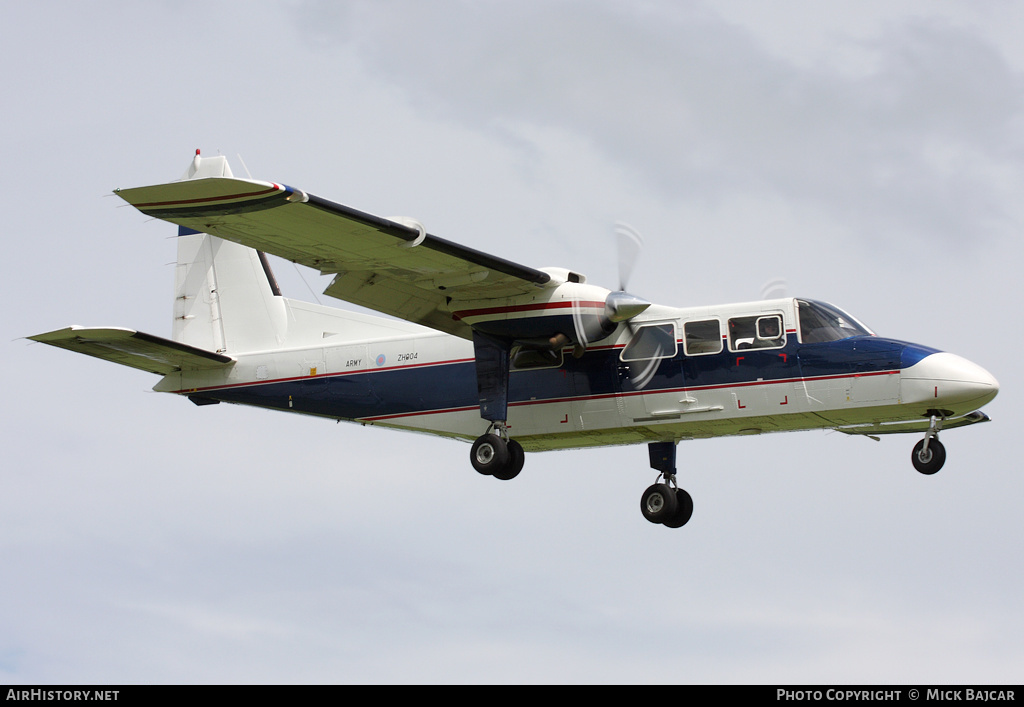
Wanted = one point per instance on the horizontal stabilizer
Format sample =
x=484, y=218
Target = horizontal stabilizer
x=914, y=426
x=133, y=348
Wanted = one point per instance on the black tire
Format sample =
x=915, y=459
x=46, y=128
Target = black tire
x=684, y=510
x=658, y=503
x=489, y=454
x=516, y=459
x=931, y=461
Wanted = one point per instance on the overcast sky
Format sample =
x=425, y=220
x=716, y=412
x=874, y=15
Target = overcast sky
x=869, y=153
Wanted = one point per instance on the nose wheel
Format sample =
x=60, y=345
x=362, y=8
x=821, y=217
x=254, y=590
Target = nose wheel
x=929, y=455
x=928, y=459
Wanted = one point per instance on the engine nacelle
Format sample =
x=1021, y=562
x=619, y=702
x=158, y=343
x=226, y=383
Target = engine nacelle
x=569, y=313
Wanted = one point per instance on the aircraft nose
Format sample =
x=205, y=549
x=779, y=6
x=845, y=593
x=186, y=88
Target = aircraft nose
x=947, y=379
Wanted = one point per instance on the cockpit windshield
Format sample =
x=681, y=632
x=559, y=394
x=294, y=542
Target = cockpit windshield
x=823, y=322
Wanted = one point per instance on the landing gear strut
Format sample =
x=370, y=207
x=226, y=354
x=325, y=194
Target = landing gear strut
x=929, y=455
x=493, y=453
x=664, y=502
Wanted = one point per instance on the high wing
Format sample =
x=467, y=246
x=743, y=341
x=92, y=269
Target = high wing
x=378, y=263
x=133, y=348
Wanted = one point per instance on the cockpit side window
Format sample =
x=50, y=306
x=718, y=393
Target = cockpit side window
x=821, y=322
x=651, y=341
x=756, y=332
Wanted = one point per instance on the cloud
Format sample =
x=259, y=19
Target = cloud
x=926, y=142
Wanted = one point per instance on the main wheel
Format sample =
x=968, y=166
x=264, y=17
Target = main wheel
x=516, y=459
x=489, y=454
x=684, y=510
x=658, y=503
x=930, y=461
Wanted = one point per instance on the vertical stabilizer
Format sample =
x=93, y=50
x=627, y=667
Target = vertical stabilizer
x=225, y=297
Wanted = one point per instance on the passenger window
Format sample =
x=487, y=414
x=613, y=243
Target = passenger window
x=769, y=331
x=763, y=332
x=652, y=341
x=703, y=337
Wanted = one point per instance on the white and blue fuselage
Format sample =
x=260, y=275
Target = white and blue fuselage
x=822, y=370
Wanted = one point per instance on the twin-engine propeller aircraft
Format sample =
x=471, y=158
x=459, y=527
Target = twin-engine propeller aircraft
x=511, y=358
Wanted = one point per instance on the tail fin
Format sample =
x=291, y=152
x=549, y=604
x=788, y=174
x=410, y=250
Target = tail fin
x=225, y=295
x=227, y=300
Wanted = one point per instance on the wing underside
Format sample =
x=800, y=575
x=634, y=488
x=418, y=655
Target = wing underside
x=378, y=263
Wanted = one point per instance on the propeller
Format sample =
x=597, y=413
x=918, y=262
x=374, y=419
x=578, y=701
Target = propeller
x=619, y=306
x=629, y=243
x=774, y=289
x=623, y=307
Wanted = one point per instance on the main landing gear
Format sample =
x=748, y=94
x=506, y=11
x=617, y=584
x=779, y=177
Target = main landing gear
x=929, y=455
x=667, y=504
x=494, y=454
x=664, y=502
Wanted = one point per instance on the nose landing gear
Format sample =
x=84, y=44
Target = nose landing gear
x=929, y=455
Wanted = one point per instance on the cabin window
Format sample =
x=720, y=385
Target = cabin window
x=651, y=341
x=822, y=322
x=756, y=332
x=523, y=358
x=703, y=337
